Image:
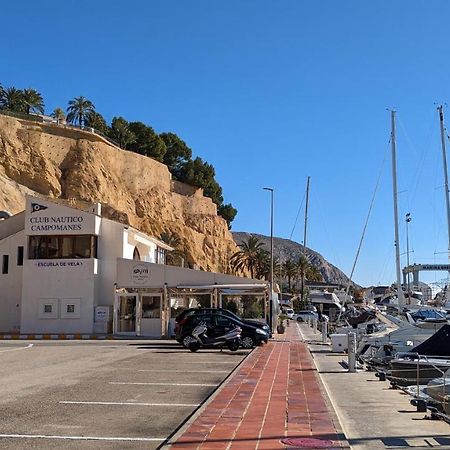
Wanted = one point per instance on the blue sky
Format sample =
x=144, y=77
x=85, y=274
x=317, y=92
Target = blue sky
x=269, y=92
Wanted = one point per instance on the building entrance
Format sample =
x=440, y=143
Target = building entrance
x=125, y=314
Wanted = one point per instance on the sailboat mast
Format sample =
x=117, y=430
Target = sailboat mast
x=304, y=241
x=306, y=215
x=444, y=157
x=394, y=185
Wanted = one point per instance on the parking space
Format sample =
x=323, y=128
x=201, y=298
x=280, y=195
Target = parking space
x=114, y=395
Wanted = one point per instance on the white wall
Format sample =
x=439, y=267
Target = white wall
x=58, y=279
x=11, y=284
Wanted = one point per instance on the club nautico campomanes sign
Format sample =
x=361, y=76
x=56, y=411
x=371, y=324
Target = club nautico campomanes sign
x=55, y=219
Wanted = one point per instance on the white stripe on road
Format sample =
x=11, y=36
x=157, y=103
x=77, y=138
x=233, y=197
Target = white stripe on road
x=162, y=384
x=187, y=405
x=19, y=348
x=183, y=371
x=79, y=438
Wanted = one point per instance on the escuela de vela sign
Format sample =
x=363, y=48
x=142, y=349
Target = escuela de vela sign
x=41, y=221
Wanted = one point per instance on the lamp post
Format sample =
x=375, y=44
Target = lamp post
x=271, y=260
x=408, y=219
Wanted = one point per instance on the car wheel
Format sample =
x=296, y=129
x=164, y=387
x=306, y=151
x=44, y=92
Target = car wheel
x=187, y=340
x=248, y=342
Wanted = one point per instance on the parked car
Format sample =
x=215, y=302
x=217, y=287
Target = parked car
x=187, y=312
x=289, y=312
x=217, y=325
x=303, y=316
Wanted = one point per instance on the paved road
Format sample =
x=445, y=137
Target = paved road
x=110, y=394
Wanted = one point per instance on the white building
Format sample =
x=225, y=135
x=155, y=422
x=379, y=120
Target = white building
x=72, y=271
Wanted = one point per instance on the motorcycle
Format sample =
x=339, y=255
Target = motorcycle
x=231, y=339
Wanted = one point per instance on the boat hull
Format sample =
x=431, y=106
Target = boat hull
x=406, y=372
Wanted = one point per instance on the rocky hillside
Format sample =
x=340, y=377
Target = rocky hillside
x=286, y=249
x=66, y=163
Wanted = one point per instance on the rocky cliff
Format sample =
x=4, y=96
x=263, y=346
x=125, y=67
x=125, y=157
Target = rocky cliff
x=66, y=163
x=286, y=249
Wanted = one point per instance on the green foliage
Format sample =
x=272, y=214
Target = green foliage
x=79, y=110
x=95, y=120
x=58, y=114
x=12, y=99
x=33, y=101
x=146, y=142
x=199, y=173
x=251, y=257
x=120, y=132
x=227, y=212
x=296, y=304
x=252, y=308
x=232, y=306
x=177, y=154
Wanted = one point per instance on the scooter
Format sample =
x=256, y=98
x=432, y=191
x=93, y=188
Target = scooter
x=231, y=339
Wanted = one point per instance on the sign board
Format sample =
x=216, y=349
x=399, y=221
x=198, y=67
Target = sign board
x=102, y=313
x=46, y=218
x=140, y=273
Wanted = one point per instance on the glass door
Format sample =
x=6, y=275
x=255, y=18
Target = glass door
x=126, y=314
x=151, y=307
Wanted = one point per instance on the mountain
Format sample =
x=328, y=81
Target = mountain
x=286, y=249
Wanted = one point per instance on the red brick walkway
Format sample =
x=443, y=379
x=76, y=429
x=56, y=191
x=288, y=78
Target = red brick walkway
x=274, y=395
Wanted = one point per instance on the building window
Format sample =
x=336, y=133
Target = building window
x=151, y=306
x=5, y=265
x=62, y=247
x=160, y=255
x=20, y=256
x=70, y=309
x=48, y=309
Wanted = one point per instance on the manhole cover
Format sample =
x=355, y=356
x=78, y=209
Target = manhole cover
x=307, y=443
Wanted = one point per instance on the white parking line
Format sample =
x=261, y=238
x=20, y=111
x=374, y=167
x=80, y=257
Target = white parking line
x=187, y=405
x=14, y=349
x=163, y=384
x=80, y=438
x=183, y=371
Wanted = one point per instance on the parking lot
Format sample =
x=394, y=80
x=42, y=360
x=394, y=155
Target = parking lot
x=102, y=394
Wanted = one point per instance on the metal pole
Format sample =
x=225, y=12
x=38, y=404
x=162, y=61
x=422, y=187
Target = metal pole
x=408, y=219
x=444, y=157
x=271, y=259
x=304, y=238
x=397, y=241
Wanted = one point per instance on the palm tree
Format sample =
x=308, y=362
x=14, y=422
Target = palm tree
x=289, y=271
x=79, y=109
x=33, y=101
x=314, y=274
x=95, y=120
x=58, y=114
x=178, y=255
x=121, y=132
x=12, y=100
x=249, y=257
x=302, y=266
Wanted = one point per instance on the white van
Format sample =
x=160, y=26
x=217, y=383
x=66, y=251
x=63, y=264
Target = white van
x=289, y=312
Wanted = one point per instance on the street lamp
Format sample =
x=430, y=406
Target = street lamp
x=408, y=219
x=271, y=260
